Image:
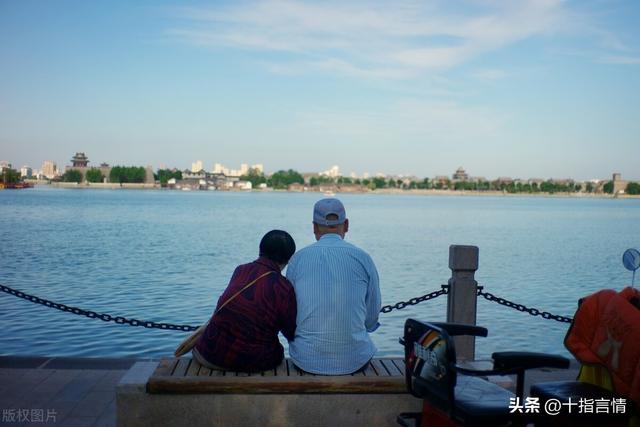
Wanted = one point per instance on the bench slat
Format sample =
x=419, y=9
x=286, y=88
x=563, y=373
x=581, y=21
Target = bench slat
x=204, y=372
x=194, y=368
x=391, y=367
x=184, y=376
x=400, y=364
x=292, y=369
x=181, y=368
x=369, y=371
x=219, y=373
x=281, y=369
x=380, y=370
x=165, y=367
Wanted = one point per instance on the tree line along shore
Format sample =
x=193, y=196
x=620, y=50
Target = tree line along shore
x=291, y=180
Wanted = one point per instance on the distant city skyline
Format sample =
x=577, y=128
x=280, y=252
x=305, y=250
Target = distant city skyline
x=544, y=89
x=51, y=169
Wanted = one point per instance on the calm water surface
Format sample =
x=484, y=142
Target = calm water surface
x=167, y=255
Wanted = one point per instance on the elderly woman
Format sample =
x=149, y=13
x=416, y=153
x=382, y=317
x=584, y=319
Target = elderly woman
x=259, y=302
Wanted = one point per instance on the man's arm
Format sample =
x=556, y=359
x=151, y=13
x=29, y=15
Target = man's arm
x=373, y=300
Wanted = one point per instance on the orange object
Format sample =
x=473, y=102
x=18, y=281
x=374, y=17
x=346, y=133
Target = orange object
x=606, y=332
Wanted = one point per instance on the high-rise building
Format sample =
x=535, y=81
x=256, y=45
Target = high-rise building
x=49, y=169
x=244, y=169
x=334, y=172
x=196, y=166
x=258, y=167
x=26, y=172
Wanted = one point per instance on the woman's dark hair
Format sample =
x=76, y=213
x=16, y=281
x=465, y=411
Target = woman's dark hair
x=278, y=246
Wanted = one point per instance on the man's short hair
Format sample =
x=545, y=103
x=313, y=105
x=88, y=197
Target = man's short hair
x=329, y=212
x=278, y=246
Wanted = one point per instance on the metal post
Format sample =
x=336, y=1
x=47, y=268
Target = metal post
x=462, y=298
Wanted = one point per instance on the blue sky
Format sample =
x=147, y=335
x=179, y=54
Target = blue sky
x=545, y=89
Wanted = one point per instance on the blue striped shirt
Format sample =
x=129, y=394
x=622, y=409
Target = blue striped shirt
x=338, y=297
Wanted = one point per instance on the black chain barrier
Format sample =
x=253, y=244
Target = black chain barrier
x=188, y=328
x=413, y=301
x=93, y=315
x=532, y=311
x=168, y=326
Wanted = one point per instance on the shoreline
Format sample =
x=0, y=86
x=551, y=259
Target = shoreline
x=386, y=191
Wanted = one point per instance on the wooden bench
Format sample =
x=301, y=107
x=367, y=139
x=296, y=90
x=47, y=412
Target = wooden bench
x=181, y=391
x=188, y=376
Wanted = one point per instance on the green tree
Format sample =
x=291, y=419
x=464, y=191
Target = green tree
x=255, y=177
x=9, y=176
x=164, y=175
x=127, y=174
x=608, y=187
x=378, y=182
x=282, y=179
x=72, y=175
x=589, y=188
x=94, y=175
x=633, y=188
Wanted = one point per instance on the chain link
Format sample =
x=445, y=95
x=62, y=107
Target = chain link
x=168, y=326
x=522, y=308
x=417, y=300
x=187, y=328
x=93, y=315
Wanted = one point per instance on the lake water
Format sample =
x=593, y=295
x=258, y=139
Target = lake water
x=167, y=255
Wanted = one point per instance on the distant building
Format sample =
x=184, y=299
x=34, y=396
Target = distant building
x=333, y=172
x=242, y=185
x=619, y=185
x=26, y=172
x=244, y=169
x=80, y=163
x=79, y=160
x=443, y=180
x=296, y=186
x=460, y=175
x=49, y=169
x=504, y=180
x=5, y=165
x=196, y=166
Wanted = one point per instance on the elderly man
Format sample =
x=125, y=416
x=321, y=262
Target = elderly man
x=338, y=298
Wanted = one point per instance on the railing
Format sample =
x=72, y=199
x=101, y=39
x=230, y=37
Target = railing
x=462, y=291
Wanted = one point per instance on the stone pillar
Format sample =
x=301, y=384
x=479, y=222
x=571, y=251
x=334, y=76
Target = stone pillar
x=462, y=298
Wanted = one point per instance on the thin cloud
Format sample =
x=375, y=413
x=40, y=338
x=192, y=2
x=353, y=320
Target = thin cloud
x=489, y=74
x=387, y=40
x=623, y=60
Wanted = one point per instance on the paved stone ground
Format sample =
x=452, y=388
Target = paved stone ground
x=63, y=392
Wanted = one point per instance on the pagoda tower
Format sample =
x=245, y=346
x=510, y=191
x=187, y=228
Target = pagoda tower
x=80, y=160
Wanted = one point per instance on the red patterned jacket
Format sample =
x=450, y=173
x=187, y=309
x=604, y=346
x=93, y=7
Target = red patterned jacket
x=243, y=335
